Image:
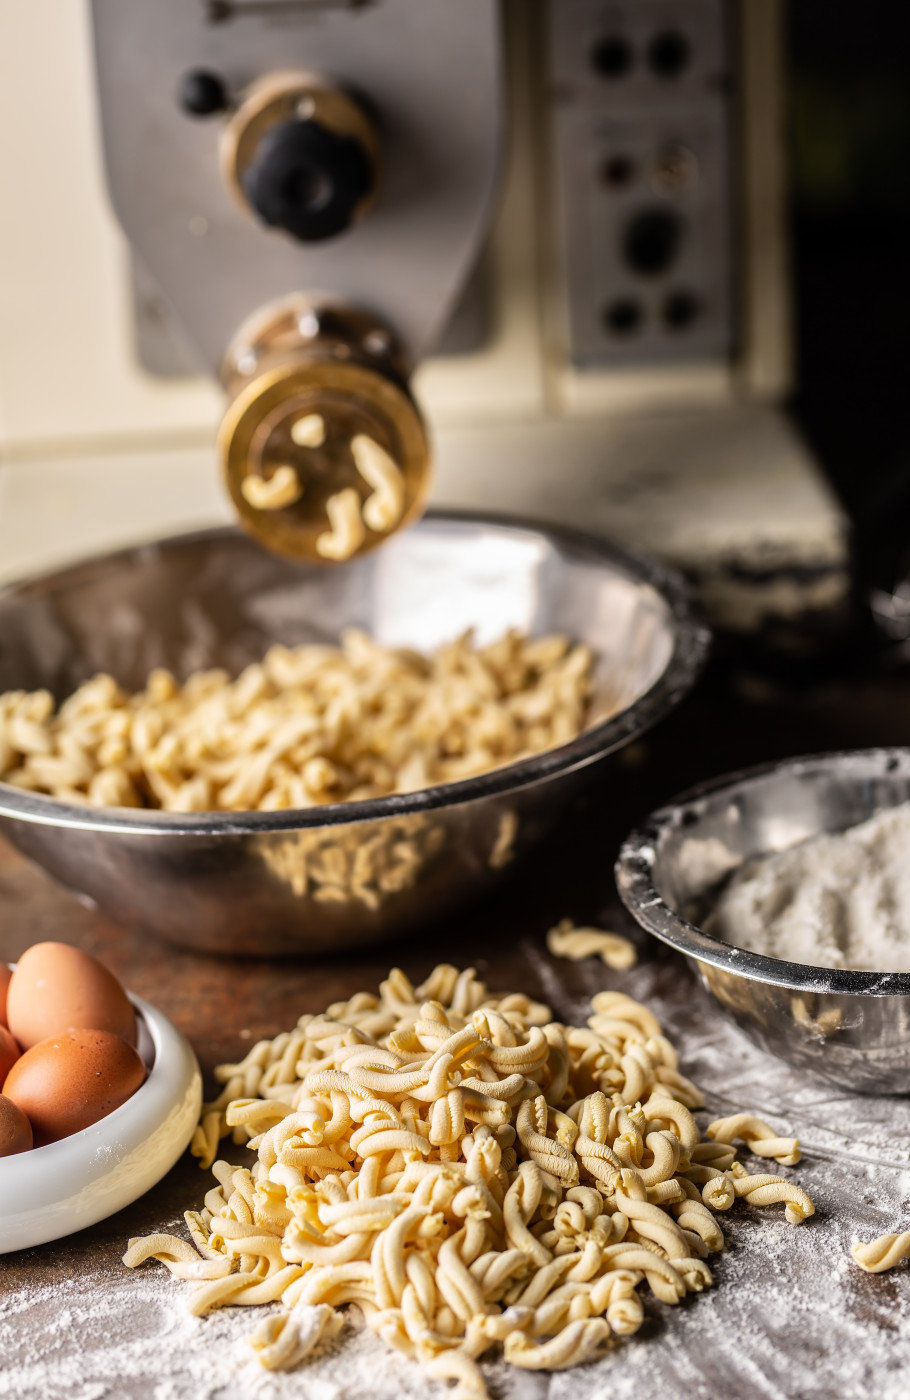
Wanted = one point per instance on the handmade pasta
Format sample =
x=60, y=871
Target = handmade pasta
x=472, y=1174
x=882, y=1253
x=567, y=941
x=306, y=726
x=758, y=1137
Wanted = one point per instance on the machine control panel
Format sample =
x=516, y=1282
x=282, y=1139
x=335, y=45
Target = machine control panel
x=638, y=112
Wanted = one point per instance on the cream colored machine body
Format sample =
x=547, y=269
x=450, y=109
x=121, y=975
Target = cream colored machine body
x=539, y=242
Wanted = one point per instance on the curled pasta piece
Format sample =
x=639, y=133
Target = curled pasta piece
x=664, y=1149
x=624, y=1313
x=695, y=1217
x=551, y=1156
x=677, y=1115
x=662, y=1276
x=282, y=1342
x=652, y=1223
x=245, y=1288
x=617, y=1007
x=599, y=1161
x=567, y=941
x=453, y=1365
x=335, y=1284
x=718, y=1156
x=769, y=1190
x=577, y=1343
x=521, y=1202
x=179, y=1257
x=757, y=1136
x=882, y=1253
x=718, y=1192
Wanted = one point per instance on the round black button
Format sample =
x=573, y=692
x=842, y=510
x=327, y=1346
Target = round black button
x=611, y=57
x=669, y=53
x=622, y=316
x=652, y=241
x=201, y=93
x=307, y=180
x=680, y=310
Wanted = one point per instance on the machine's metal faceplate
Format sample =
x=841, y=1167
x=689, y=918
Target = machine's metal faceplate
x=640, y=114
x=433, y=74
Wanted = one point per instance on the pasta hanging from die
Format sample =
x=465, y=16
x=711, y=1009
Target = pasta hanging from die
x=346, y=531
x=383, y=509
x=282, y=488
x=470, y=1173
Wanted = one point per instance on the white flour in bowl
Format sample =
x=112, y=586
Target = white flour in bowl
x=836, y=900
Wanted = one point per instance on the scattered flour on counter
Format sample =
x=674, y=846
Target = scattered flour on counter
x=836, y=900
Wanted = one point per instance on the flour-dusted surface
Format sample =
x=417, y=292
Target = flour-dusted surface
x=790, y=1315
x=839, y=900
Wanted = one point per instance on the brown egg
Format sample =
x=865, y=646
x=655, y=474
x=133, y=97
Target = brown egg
x=5, y=975
x=57, y=988
x=71, y=1080
x=15, y=1129
x=9, y=1053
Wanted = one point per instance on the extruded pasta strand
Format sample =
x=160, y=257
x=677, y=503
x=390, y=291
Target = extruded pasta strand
x=346, y=533
x=383, y=509
x=282, y=488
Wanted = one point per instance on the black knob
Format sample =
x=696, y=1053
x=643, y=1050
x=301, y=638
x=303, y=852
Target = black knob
x=652, y=240
x=307, y=179
x=201, y=93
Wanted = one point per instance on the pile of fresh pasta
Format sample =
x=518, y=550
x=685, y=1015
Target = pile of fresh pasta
x=305, y=726
x=472, y=1174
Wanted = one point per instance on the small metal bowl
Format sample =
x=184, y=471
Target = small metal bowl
x=335, y=876
x=851, y=1027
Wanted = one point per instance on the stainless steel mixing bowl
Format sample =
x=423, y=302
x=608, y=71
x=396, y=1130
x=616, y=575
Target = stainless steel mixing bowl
x=335, y=876
x=851, y=1027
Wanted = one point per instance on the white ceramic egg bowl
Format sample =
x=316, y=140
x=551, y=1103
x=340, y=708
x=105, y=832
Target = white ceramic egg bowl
x=68, y=1185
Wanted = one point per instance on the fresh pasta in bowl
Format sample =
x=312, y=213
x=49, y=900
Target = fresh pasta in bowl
x=305, y=726
x=248, y=755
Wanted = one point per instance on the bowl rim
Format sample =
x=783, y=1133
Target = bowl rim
x=634, y=874
x=691, y=643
